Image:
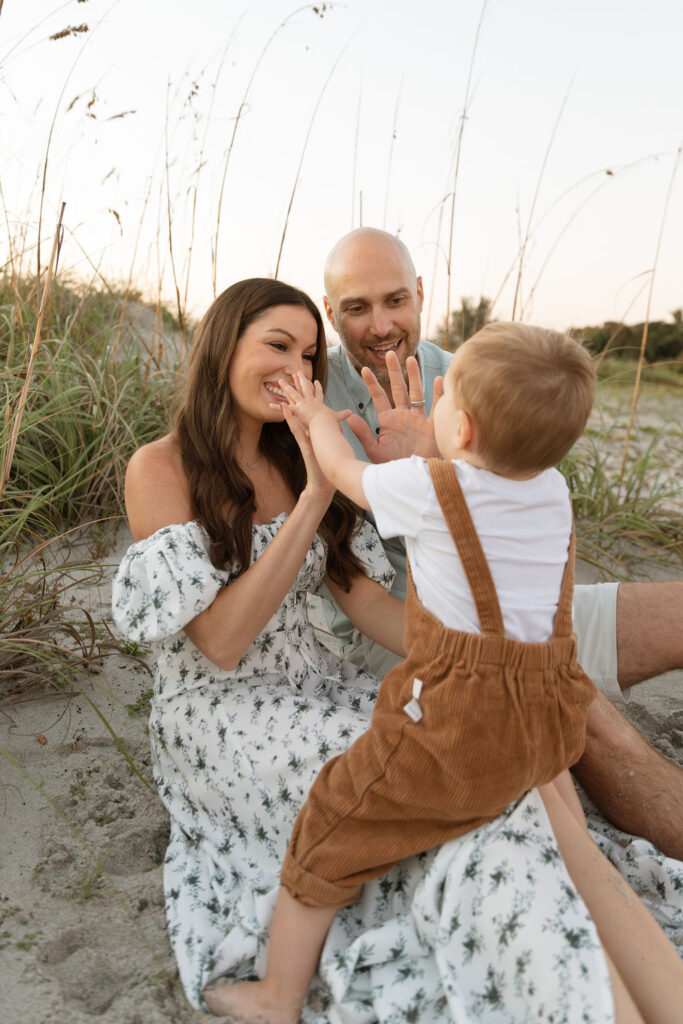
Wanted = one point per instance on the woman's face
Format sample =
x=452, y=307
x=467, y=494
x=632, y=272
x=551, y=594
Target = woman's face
x=281, y=342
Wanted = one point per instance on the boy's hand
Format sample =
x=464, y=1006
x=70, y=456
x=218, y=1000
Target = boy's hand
x=305, y=399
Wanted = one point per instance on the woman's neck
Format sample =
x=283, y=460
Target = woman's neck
x=248, y=447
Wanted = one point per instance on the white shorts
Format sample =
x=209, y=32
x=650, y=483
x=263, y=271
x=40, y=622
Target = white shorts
x=595, y=625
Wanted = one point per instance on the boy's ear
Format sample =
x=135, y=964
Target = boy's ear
x=465, y=433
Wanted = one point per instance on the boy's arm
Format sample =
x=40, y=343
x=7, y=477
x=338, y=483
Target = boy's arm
x=336, y=457
x=333, y=453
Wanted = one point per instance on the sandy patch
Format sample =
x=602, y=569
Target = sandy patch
x=82, y=928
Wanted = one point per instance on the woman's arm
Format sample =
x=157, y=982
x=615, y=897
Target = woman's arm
x=373, y=611
x=157, y=495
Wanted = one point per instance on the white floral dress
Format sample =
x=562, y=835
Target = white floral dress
x=486, y=928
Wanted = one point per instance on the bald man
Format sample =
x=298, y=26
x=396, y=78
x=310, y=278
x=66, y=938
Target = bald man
x=626, y=633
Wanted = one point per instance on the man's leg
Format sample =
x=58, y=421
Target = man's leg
x=649, y=630
x=632, y=784
x=629, y=634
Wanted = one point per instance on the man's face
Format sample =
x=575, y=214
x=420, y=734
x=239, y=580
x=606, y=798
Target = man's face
x=375, y=308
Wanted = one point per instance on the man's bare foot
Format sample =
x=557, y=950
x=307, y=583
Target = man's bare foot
x=249, y=1002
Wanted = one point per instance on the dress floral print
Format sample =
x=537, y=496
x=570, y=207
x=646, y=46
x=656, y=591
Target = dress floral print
x=486, y=928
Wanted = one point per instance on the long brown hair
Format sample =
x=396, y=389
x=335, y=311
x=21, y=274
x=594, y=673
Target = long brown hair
x=207, y=429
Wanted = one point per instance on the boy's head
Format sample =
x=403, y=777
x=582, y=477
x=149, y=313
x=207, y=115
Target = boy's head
x=526, y=393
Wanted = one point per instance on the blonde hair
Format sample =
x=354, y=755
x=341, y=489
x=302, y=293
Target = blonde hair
x=529, y=392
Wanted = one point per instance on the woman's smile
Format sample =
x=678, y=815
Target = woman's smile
x=275, y=391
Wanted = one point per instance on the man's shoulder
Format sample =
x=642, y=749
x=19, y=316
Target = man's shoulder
x=335, y=354
x=336, y=388
x=433, y=357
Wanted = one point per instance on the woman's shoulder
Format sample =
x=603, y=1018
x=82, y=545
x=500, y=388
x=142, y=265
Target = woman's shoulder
x=159, y=457
x=157, y=492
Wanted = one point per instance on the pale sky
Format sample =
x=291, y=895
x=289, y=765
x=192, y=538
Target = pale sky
x=605, y=76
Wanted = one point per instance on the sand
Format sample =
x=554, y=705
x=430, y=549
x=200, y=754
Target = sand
x=82, y=929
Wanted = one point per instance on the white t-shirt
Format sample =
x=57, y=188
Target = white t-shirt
x=524, y=527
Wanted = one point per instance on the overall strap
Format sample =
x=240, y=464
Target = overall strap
x=563, y=625
x=467, y=543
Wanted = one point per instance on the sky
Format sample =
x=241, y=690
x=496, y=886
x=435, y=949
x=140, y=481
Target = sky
x=487, y=131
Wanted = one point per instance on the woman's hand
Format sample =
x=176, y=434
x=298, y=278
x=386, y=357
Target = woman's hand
x=317, y=484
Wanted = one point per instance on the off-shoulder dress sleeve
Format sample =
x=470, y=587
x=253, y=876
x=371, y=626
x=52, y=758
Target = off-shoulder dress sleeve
x=164, y=581
x=367, y=546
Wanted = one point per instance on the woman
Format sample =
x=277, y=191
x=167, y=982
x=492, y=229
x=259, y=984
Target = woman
x=234, y=524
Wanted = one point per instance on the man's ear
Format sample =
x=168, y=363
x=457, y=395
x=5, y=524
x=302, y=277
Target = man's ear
x=329, y=312
x=420, y=293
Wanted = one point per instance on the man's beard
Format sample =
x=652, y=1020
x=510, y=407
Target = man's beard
x=412, y=339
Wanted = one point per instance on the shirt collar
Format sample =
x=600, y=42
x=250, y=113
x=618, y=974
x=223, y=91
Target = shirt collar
x=353, y=380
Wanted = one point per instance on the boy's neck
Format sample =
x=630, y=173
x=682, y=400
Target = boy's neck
x=474, y=459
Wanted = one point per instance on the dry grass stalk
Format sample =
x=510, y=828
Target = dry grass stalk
x=355, y=156
x=121, y=302
x=394, y=133
x=14, y=434
x=305, y=146
x=169, y=216
x=240, y=111
x=643, y=343
x=458, y=153
x=527, y=305
x=604, y=173
x=43, y=187
x=527, y=235
x=200, y=160
x=438, y=250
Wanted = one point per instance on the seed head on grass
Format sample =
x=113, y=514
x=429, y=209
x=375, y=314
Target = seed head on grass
x=71, y=30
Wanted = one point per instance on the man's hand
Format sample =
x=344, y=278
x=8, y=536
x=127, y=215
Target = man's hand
x=404, y=428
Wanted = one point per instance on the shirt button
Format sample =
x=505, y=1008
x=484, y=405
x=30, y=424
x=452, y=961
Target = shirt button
x=360, y=405
x=377, y=430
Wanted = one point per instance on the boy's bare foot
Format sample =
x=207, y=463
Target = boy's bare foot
x=249, y=1002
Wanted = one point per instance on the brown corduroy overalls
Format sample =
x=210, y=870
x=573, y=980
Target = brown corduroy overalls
x=498, y=718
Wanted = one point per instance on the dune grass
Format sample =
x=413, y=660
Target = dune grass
x=626, y=523
x=94, y=397
x=98, y=392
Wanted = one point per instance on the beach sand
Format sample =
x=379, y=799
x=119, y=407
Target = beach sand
x=82, y=928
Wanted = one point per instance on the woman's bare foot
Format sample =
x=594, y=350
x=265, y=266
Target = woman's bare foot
x=249, y=1002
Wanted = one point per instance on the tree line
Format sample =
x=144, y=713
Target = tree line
x=664, y=339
